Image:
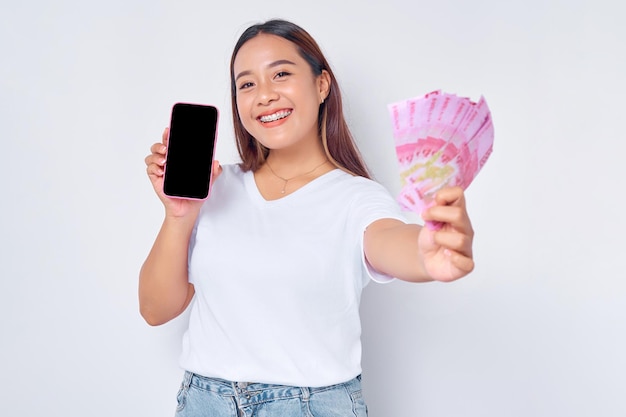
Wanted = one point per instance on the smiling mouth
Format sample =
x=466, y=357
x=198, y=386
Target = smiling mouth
x=275, y=116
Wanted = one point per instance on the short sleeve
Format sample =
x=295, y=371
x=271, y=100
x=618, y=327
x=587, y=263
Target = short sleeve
x=373, y=202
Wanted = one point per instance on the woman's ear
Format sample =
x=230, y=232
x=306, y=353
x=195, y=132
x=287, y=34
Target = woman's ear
x=323, y=83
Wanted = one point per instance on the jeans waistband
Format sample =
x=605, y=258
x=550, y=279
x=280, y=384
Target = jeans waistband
x=249, y=393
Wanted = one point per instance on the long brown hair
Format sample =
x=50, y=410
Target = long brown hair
x=336, y=137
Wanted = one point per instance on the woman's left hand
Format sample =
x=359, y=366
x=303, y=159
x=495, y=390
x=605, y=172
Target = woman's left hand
x=446, y=253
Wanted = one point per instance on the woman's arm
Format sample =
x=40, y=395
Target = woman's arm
x=418, y=254
x=164, y=288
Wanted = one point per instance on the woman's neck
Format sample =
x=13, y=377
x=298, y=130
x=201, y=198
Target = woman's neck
x=287, y=170
x=295, y=161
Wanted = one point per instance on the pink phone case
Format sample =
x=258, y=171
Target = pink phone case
x=212, y=154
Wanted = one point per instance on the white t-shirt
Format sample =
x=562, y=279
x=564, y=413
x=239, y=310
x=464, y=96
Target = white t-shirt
x=278, y=283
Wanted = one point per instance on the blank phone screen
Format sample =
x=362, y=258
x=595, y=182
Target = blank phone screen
x=193, y=128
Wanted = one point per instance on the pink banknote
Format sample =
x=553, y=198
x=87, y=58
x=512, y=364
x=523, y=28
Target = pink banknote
x=441, y=140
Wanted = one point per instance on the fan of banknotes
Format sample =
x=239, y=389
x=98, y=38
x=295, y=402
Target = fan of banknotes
x=441, y=140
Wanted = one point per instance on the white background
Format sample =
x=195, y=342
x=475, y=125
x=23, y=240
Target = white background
x=539, y=329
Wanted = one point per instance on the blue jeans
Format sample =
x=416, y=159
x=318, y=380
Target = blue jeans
x=211, y=397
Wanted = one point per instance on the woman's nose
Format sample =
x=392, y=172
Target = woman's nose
x=266, y=93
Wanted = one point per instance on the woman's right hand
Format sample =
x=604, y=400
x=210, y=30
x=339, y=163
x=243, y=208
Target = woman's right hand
x=155, y=164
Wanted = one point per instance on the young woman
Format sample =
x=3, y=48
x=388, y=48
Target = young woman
x=274, y=261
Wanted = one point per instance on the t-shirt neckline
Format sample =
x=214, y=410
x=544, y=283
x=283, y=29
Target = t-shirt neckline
x=255, y=194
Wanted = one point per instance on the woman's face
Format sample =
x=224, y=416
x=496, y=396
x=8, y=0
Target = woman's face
x=278, y=97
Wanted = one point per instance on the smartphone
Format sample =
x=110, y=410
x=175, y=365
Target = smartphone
x=190, y=151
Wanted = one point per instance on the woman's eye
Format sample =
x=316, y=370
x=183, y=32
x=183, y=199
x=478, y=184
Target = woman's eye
x=245, y=85
x=282, y=74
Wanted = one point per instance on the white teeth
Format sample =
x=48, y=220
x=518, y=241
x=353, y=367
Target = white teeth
x=276, y=116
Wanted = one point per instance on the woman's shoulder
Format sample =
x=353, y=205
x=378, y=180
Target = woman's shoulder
x=233, y=172
x=231, y=176
x=357, y=182
x=366, y=199
x=232, y=169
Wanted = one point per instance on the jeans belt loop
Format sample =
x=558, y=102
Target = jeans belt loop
x=305, y=393
x=187, y=380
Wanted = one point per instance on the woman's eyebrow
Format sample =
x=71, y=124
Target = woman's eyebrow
x=281, y=62
x=270, y=65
